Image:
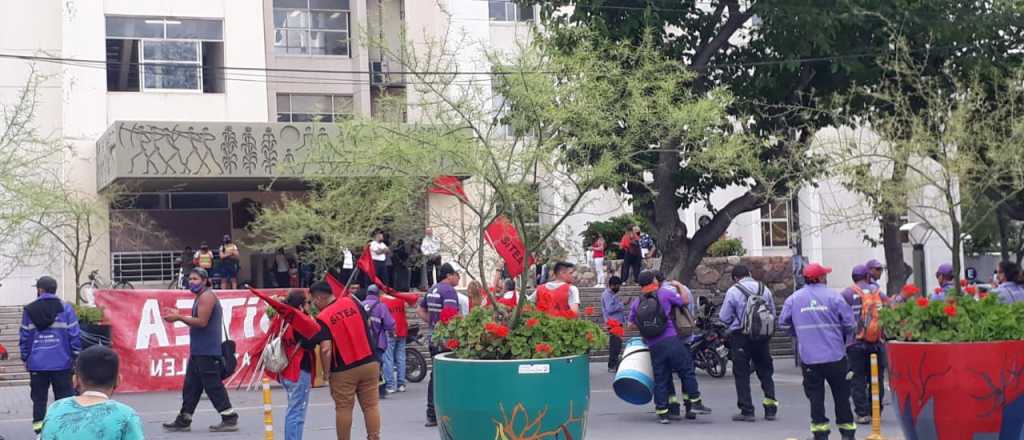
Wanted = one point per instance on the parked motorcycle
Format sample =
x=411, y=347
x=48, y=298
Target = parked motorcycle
x=710, y=346
x=415, y=363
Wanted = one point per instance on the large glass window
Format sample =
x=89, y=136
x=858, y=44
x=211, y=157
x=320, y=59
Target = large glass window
x=311, y=27
x=775, y=224
x=309, y=108
x=163, y=53
x=504, y=10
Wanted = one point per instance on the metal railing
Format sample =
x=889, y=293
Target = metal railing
x=145, y=266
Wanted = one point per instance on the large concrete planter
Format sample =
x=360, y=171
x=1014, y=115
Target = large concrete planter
x=512, y=400
x=969, y=391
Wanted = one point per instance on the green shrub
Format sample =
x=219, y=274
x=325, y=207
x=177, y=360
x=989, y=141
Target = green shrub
x=88, y=314
x=612, y=229
x=960, y=319
x=727, y=247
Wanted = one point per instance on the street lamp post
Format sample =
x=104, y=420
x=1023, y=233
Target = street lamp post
x=918, y=234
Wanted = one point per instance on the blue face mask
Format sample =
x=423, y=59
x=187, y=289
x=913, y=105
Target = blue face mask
x=196, y=288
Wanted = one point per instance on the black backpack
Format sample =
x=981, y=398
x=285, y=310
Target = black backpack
x=650, y=317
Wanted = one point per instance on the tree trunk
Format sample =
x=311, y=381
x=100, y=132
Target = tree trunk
x=1004, y=233
x=899, y=272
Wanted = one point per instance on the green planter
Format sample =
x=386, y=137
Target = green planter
x=513, y=399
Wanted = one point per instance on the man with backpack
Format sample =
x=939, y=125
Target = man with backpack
x=866, y=300
x=651, y=313
x=684, y=319
x=822, y=323
x=381, y=325
x=749, y=311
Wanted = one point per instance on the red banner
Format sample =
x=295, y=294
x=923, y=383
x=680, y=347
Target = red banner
x=503, y=236
x=449, y=186
x=153, y=352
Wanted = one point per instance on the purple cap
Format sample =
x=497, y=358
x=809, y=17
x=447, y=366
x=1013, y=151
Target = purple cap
x=860, y=271
x=874, y=264
x=945, y=269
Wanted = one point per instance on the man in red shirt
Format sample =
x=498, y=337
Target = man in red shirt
x=632, y=257
x=558, y=297
x=394, y=356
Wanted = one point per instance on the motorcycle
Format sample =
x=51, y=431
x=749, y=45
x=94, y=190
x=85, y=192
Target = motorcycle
x=415, y=363
x=710, y=346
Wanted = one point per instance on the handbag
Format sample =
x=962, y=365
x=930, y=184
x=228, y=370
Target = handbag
x=273, y=357
x=227, y=351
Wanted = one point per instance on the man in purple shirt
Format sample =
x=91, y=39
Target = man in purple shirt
x=747, y=351
x=822, y=323
x=875, y=270
x=860, y=349
x=439, y=300
x=669, y=354
x=944, y=275
x=612, y=308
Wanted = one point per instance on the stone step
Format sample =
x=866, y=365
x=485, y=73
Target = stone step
x=14, y=383
x=13, y=376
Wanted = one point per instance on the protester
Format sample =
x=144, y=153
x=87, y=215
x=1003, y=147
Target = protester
x=558, y=297
x=506, y=294
x=229, y=262
x=348, y=264
x=944, y=275
x=204, y=257
x=430, y=247
x=379, y=252
x=475, y=294
x=866, y=300
x=205, y=363
x=598, y=255
x=49, y=341
x=93, y=415
x=632, y=257
x=1010, y=289
x=394, y=356
x=346, y=351
x=381, y=325
x=612, y=309
x=747, y=349
x=691, y=305
x=441, y=301
x=875, y=270
x=647, y=248
x=822, y=322
x=281, y=267
x=651, y=313
x=400, y=267
x=296, y=378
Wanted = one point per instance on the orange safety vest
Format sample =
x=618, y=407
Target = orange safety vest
x=869, y=329
x=348, y=329
x=553, y=302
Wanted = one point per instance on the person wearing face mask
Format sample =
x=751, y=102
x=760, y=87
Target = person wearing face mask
x=205, y=362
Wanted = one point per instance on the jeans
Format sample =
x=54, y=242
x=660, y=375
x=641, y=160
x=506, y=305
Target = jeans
x=394, y=363
x=668, y=357
x=39, y=385
x=298, y=402
x=203, y=374
x=744, y=353
x=815, y=377
x=859, y=355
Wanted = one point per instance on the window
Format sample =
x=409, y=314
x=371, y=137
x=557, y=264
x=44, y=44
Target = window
x=164, y=54
x=309, y=108
x=775, y=224
x=311, y=27
x=165, y=201
x=505, y=10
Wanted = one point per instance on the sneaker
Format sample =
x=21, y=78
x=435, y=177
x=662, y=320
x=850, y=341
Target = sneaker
x=227, y=424
x=744, y=418
x=612, y=370
x=698, y=407
x=182, y=423
x=430, y=423
x=392, y=390
x=690, y=415
x=663, y=419
x=401, y=388
x=864, y=420
x=770, y=411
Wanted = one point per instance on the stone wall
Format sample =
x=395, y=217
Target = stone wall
x=714, y=274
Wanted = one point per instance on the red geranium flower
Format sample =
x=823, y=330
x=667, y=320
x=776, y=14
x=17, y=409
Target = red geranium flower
x=963, y=283
x=453, y=344
x=532, y=322
x=569, y=314
x=588, y=311
x=448, y=314
x=542, y=348
x=950, y=310
x=614, y=323
x=922, y=302
x=971, y=290
x=910, y=290
x=496, y=330
x=617, y=331
x=590, y=337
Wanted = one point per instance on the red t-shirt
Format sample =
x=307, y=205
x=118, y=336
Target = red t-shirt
x=397, y=308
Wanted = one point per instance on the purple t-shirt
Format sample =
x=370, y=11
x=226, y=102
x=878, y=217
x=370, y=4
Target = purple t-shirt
x=438, y=298
x=822, y=322
x=668, y=298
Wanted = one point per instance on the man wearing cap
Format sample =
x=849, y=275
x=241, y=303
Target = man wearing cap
x=746, y=350
x=945, y=276
x=822, y=322
x=875, y=269
x=49, y=341
x=440, y=303
x=229, y=262
x=866, y=300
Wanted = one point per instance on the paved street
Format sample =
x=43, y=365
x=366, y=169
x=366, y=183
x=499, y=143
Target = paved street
x=609, y=419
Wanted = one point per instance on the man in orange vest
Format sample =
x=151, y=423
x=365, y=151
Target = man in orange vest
x=346, y=352
x=558, y=297
x=866, y=299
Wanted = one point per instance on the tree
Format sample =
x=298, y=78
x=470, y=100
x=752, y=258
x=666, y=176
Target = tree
x=794, y=56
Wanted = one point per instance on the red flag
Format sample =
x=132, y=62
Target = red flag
x=365, y=264
x=337, y=288
x=448, y=185
x=503, y=236
x=304, y=324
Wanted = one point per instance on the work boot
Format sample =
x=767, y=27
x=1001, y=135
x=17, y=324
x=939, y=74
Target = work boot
x=182, y=423
x=770, y=412
x=864, y=420
x=744, y=418
x=674, y=412
x=663, y=419
x=431, y=419
x=698, y=407
x=819, y=436
x=847, y=435
x=228, y=423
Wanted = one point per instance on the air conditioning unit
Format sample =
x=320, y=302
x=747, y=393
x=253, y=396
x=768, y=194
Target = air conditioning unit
x=378, y=72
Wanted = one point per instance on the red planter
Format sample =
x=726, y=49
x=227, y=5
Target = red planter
x=961, y=391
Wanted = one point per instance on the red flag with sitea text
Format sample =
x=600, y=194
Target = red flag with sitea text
x=448, y=185
x=503, y=236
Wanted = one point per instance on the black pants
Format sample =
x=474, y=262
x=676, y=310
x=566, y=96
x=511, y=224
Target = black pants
x=631, y=263
x=281, y=279
x=203, y=374
x=434, y=351
x=815, y=377
x=614, y=351
x=859, y=356
x=381, y=267
x=756, y=354
x=39, y=385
